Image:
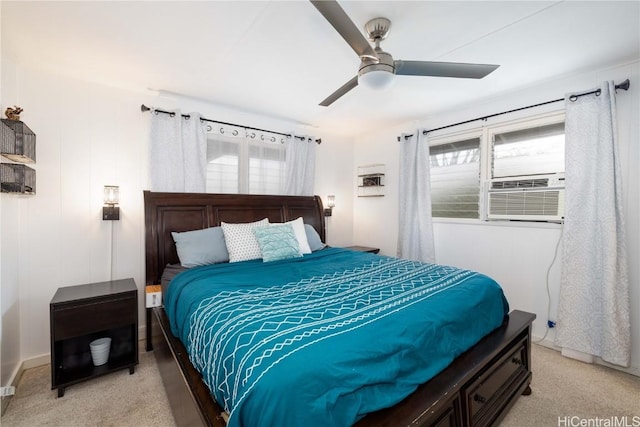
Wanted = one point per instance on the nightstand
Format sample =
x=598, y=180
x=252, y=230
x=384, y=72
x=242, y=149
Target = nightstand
x=363, y=249
x=83, y=313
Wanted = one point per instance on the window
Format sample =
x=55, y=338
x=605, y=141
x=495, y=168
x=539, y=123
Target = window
x=455, y=179
x=223, y=164
x=460, y=163
x=529, y=151
x=245, y=165
x=266, y=167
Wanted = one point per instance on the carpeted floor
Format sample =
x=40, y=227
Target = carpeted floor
x=570, y=393
x=563, y=389
x=116, y=399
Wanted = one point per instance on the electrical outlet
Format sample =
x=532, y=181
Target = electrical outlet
x=7, y=391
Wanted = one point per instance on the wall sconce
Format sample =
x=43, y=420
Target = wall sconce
x=111, y=212
x=331, y=203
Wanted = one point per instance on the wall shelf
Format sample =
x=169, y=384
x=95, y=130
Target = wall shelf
x=18, y=144
x=17, y=178
x=17, y=141
x=371, y=180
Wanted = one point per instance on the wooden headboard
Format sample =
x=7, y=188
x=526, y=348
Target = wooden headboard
x=167, y=212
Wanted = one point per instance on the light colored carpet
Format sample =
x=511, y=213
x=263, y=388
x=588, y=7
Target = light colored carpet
x=561, y=388
x=116, y=399
x=566, y=392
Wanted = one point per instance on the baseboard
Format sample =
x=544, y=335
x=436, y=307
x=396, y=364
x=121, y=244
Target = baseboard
x=15, y=379
x=34, y=362
x=632, y=370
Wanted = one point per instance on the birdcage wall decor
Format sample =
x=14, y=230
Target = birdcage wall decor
x=17, y=141
x=17, y=178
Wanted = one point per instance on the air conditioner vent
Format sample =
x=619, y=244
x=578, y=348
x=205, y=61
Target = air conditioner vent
x=520, y=183
x=516, y=205
x=526, y=198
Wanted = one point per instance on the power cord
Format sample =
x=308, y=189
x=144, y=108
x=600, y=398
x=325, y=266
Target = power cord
x=550, y=324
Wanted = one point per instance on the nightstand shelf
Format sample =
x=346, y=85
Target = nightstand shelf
x=81, y=314
x=363, y=249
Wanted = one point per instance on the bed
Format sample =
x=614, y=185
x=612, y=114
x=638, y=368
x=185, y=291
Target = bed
x=490, y=370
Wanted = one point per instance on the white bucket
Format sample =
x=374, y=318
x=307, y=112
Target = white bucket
x=100, y=350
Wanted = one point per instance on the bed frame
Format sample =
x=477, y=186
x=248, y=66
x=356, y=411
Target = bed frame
x=477, y=389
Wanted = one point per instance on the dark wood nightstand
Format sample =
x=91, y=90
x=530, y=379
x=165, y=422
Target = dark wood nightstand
x=83, y=313
x=363, y=249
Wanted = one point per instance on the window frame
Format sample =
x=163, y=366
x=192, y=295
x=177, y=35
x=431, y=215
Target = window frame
x=455, y=137
x=485, y=132
x=244, y=143
x=516, y=125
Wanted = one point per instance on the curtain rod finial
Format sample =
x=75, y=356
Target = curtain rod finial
x=144, y=108
x=624, y=85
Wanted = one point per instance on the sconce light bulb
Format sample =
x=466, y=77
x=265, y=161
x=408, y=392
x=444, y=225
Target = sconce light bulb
x=111, y=195
x=331, y=201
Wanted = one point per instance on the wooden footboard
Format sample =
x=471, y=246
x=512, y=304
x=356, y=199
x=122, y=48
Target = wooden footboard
x=191, y=403
x=475, y=390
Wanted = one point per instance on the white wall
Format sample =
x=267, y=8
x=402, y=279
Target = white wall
x=334, y=164
x=518, y=256
x=10, y=208
x=90, y=135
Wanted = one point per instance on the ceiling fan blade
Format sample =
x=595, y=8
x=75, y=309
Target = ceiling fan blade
x=443, y=69
x=341, y=91
x=337, y=17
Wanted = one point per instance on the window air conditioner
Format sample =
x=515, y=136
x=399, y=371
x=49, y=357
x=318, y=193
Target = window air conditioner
x=526, y=198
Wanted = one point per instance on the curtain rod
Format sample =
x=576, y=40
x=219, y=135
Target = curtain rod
x=624, y=86
x=144, y=108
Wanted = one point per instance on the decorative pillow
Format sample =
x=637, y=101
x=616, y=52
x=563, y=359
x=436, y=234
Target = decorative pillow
x=201, y=247
x=298, y=229
x=277, y=242
x=241, y=242
x=313, y=238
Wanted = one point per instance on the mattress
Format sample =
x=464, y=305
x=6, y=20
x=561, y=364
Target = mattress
x=324, y=339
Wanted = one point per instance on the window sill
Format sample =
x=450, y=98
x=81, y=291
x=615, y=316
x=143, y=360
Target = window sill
x=498, y=223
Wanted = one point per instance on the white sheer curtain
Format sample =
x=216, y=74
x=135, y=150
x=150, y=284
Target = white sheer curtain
x=415, y=234
x=266, y=164
x=594, y=306
x=244, y=161
x=301, y=166
x=223, y=161
x=178, y=152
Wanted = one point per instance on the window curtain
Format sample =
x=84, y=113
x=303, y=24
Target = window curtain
x=594, y=305
x=223, y=161
x=415, y=234
x=267, y=164
x=244, y=161
x=178, y=153
x=301, y=166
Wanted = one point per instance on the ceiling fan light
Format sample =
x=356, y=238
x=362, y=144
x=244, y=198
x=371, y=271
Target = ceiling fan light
x=376, y=79
x=377, y=74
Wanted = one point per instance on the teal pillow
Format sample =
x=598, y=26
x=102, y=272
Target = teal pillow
x=277, y=242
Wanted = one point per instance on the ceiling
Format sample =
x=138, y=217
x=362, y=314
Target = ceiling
x=281, y=58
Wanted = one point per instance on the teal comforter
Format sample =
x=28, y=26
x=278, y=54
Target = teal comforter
x=324, y=339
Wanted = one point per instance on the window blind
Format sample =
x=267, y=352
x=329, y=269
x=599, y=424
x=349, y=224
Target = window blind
x=532, y=151
x=455, y=179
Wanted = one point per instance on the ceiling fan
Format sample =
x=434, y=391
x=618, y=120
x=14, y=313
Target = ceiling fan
x=377, y=67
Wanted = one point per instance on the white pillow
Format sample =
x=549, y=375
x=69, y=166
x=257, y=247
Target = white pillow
x=301, y=235
x=241, y=242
